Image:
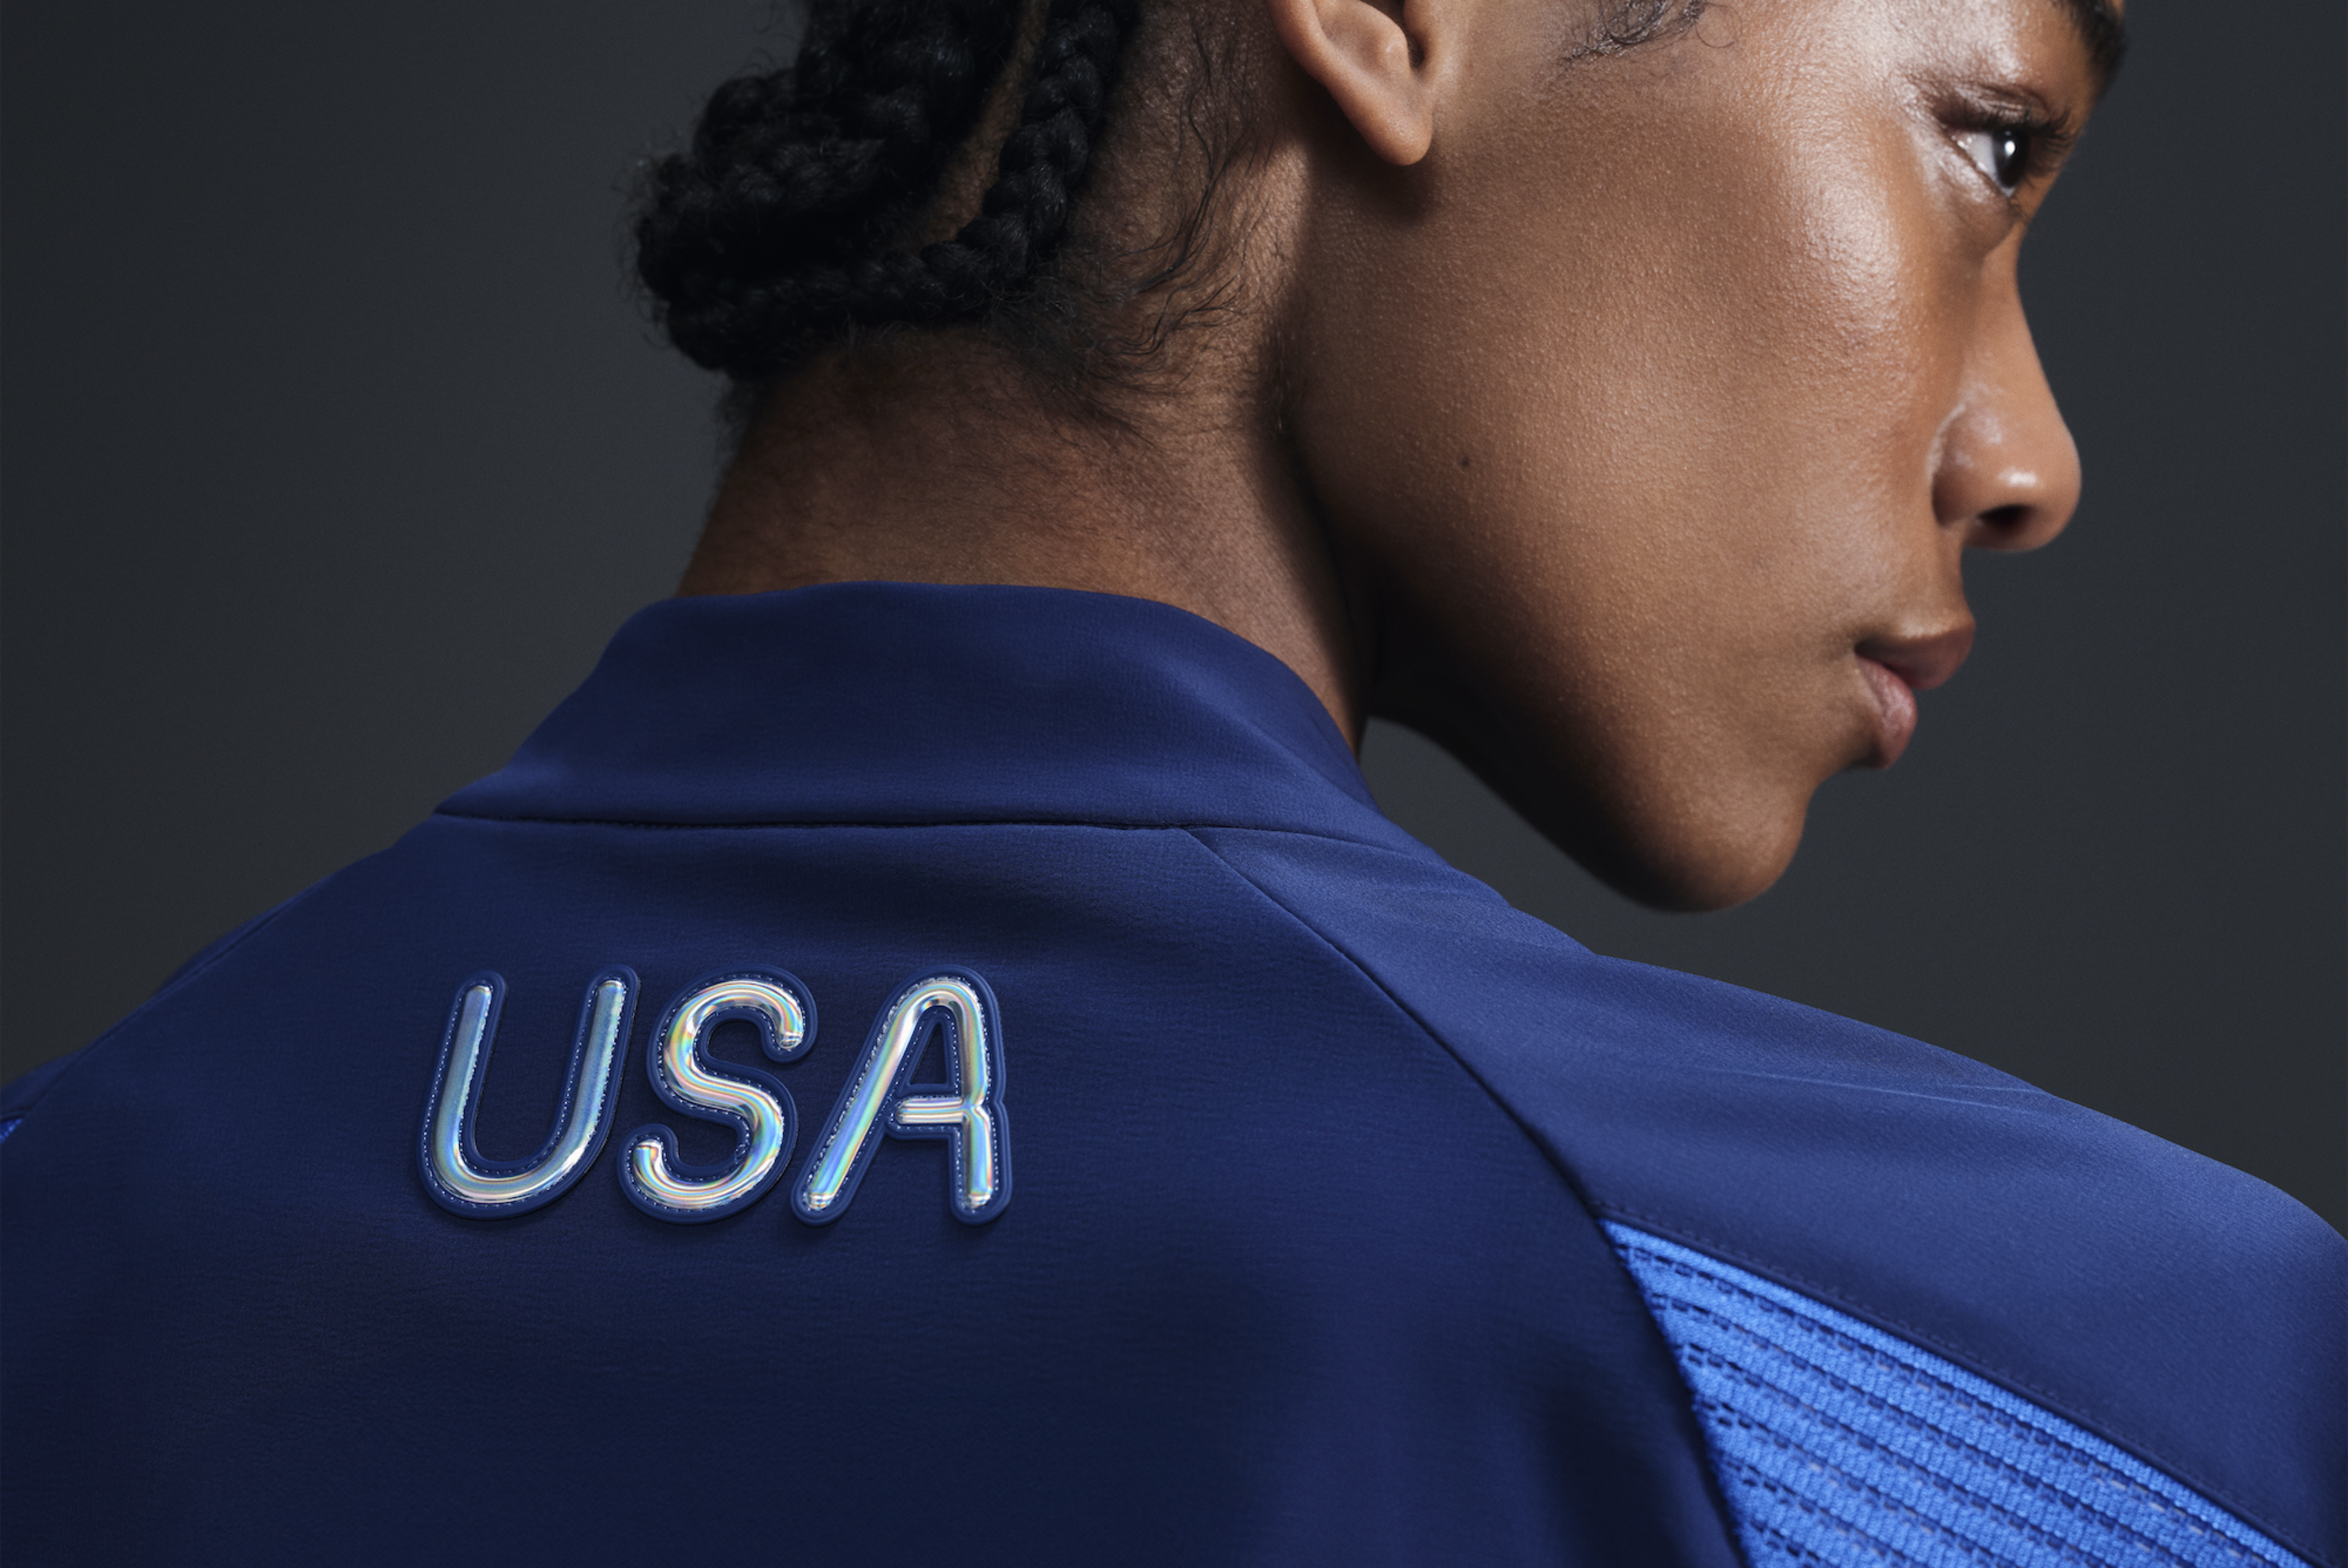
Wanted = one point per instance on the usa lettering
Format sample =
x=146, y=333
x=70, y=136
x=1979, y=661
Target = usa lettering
x=946, y=1005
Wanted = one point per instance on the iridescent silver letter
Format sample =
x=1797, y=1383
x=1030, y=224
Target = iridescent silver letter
x=458, y=1179
x=966, y=1112
x=755, y=1104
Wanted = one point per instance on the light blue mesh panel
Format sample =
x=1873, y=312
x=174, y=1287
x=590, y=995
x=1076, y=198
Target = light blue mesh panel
x=1837, y=1444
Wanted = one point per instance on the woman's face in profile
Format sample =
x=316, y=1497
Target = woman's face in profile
x=1659, y=412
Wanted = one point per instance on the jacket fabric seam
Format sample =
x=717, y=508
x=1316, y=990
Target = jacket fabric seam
x=1971, y=1361
x=1599, y=1209
x=1831, y=1298
x=1498, y=1102
x=1103, y=824
x=1722, y=1514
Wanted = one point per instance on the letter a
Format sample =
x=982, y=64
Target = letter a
x=967, y=1112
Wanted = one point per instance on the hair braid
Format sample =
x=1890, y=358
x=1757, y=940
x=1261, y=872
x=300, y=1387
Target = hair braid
x=1043, y=160
x=785, y=218
x=792, y=174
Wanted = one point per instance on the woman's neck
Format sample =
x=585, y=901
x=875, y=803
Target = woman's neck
x=939, y=464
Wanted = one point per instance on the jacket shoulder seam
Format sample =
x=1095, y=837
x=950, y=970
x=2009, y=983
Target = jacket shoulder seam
x=1500, y=1101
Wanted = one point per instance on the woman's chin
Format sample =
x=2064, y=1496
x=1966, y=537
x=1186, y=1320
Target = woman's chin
x=1697, y=868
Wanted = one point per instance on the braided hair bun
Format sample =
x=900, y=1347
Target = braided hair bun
x=785, y=222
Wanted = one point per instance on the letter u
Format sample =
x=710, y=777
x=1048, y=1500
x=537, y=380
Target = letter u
x=455, y=1174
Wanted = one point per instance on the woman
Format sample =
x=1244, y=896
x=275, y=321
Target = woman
x=1134, y=401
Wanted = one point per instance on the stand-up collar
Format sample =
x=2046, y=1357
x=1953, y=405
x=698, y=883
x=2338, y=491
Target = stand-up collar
x=899, y=703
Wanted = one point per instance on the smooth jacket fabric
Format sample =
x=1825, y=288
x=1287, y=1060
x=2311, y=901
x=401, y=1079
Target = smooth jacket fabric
x=1345, y=1203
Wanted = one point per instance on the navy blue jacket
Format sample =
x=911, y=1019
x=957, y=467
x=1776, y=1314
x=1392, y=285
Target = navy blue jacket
x=896, y=1073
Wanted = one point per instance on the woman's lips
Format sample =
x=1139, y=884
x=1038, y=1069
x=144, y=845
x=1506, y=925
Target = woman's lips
x=1895, y=710
x=1896, y=670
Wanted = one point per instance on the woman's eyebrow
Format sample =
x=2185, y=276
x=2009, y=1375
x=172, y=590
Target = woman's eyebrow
x=2103, y=32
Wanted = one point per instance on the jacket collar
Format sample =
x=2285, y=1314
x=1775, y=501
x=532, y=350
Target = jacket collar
x=896, y=703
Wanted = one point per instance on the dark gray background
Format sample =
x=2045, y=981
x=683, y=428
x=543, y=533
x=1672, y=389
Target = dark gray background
x=335, y=449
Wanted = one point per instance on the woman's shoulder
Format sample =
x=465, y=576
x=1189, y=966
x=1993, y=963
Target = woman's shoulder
x=2180, y=1311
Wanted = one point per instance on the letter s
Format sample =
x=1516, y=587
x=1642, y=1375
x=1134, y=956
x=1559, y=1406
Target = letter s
x=754, y=1103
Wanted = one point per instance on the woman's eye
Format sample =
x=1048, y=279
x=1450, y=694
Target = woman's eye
x=2003, y=154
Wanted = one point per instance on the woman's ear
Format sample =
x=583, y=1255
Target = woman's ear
x=1374, y=62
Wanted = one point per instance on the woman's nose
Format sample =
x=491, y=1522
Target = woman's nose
x=2008, y=475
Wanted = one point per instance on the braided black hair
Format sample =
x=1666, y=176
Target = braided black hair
x=788, y=219
x=793, y=219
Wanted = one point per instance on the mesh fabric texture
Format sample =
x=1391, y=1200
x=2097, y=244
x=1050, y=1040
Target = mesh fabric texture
x=1837, y=1444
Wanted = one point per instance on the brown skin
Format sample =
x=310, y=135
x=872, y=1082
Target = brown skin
x=1620, y=423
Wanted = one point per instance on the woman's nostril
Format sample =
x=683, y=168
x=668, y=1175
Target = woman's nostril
x=2014, y=527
